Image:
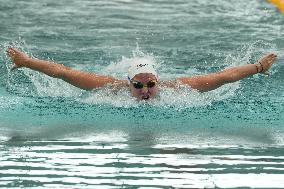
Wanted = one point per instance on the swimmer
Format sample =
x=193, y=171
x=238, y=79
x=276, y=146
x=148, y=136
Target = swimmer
x=142, y=80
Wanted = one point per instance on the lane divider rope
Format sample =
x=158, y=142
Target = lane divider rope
x=278, y=3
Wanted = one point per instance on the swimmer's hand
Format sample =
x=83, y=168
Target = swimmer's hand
x=19, y=58
x=264, y=63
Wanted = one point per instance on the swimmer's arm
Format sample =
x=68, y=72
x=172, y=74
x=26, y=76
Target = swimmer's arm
x=212, y=81
x=204, y=83
x=80, y=79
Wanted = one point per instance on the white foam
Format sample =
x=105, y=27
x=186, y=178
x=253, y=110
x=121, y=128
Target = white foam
x=183, y=97
x=179, y=98
x=119, y=69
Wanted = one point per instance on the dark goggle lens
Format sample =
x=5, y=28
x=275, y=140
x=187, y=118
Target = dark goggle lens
x=139, y=85
x=151, y=84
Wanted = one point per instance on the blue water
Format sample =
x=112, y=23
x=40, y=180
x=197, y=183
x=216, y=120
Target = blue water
x=53, y=135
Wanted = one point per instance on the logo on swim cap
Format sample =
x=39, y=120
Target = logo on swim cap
x=141, y=65
x=137, y=68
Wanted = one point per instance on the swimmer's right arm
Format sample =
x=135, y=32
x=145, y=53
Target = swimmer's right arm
x=80, y=79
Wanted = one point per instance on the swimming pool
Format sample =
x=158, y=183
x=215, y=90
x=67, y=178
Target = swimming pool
x=56, y=136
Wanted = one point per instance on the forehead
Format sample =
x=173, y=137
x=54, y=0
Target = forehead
x=144, y=76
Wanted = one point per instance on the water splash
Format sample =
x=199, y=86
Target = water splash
x=28, y=82
x=119, y=69
x=249, y=53
x=178, y=98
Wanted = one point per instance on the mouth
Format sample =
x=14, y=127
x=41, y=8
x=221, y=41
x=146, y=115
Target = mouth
x=145, y=97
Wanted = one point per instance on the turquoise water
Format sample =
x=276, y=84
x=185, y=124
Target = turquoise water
x=53, y=135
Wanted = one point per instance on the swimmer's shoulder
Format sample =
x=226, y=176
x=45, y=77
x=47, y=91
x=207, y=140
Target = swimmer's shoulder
x=120, y=83
x=117, y=85
x=169, y=83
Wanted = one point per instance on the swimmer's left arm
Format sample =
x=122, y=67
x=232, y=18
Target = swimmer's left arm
x=212, y=81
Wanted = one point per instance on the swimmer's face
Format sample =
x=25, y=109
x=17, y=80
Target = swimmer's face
x=144, y=86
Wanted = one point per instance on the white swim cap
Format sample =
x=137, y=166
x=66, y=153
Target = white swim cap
x=141, y=67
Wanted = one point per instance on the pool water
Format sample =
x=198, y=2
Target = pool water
x=53, y=135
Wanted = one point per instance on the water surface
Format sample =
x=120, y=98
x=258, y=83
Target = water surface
x=54, y=135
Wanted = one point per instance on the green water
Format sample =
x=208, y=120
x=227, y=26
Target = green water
x=53, y=135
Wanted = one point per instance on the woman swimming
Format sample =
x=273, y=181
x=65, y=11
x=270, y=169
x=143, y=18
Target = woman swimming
x=143, y=80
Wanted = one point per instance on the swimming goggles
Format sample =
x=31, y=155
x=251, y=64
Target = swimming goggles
x=139, y=85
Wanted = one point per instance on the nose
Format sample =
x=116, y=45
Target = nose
x=144, y=89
